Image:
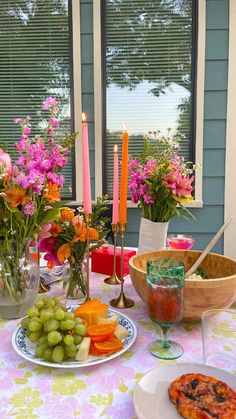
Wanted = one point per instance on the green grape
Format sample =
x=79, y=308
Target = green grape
x=51, y=303
x=69, y=316
x=58, y=353
x=59, y=314
x=68, y=340
x=80, y=329
x=78, y=339
x=47, y=354
x=51, y=325
x=46, y=315
x=54, y=337
x=35, y=319
x=42, y=339
x=33, y=312
x=60, y=305
x=71, y=350
x=57, y=299
x=78, y=320
x=67, y=324
x=39, y=304
x=35, y=326
x=25, y=322
x=40, y=350
x=34, y=336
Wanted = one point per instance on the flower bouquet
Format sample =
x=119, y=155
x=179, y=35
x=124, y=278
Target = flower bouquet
x=161, y=183
x=65, y=241
x=30, y=189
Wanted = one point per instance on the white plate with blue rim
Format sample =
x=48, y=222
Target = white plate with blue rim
x=26, y=349
x=151, y=397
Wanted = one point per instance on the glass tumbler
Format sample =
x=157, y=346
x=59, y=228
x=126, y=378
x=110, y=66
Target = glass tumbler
x=219, y=338
x=165, y=280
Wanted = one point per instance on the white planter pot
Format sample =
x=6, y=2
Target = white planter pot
x=152, y=236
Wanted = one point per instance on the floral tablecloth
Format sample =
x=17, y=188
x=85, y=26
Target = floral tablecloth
x=31, y=391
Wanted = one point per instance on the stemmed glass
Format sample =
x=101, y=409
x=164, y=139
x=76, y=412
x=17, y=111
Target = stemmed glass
x=165, y=280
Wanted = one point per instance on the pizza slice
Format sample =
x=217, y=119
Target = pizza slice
x=198, y=396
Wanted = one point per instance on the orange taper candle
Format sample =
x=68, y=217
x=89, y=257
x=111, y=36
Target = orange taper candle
x=124, y=179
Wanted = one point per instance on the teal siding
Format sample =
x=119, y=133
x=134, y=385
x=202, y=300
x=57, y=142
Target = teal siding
x=209, y=218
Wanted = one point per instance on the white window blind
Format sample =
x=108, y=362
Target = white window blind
x=149, y=49
x=34, y=63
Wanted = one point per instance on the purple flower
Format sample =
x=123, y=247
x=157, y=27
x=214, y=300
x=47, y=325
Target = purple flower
x=21, y=161
x=34, y=179
x=29, y=208
x=23, y=144
x=148, y=199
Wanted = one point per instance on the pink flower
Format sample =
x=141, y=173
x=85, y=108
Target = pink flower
x=54, y=122
x=50, y=131
x=49, y=102
x=5, y=162
x=183, y=186
x=26, y=130
x=170, y=181
x=17, y=120
x=45, y=232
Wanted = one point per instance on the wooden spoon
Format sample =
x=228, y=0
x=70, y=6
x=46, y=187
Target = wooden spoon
x=208, y=248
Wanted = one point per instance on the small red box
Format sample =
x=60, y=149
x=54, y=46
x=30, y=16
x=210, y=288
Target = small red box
x=103, y=260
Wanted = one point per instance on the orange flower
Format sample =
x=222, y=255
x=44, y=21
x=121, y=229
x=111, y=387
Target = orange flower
x=55, y=230
x=52, y=192
x=15, y=196
x=67, y=214
x=93, y=234
x=80, y=233
x=63, y=252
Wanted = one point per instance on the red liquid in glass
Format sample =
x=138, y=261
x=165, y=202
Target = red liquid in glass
x=165, y=304
x=181, y=243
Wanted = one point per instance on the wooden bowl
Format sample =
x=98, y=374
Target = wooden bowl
x=218, y=291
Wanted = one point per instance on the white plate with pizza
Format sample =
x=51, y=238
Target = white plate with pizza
x=151, y=394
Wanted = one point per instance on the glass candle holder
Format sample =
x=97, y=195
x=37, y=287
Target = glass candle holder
x=165, y=280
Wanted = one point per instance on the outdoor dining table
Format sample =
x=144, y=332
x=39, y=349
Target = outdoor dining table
x=106, y=390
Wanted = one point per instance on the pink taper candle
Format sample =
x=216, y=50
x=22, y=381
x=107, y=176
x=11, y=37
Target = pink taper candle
x=87, y=201
x=115, y=208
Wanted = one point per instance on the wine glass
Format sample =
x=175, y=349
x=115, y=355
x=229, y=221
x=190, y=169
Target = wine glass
x=180, y=241
x=165, y=280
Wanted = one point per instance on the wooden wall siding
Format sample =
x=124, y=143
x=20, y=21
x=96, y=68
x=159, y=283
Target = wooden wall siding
x=209, y=218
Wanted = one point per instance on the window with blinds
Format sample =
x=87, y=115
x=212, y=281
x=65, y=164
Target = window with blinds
x=34, y=63
x=149, y=72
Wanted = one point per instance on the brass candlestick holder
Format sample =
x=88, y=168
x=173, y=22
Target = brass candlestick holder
x=121, y=301
x=88, y=218
x=114, y=279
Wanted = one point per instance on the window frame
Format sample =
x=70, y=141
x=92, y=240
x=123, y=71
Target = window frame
x=199, y=105
x=230, y=150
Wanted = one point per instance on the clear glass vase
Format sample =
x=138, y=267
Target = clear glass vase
x=19, y=278
x=75, y=281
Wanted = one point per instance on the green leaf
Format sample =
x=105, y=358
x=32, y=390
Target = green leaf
x=50, y=215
